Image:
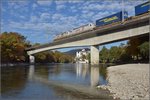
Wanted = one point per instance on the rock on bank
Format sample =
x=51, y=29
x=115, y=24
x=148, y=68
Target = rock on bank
x=130, y=81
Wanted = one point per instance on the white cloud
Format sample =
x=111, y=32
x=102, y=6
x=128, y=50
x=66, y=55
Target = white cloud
x=101, y=6
x=45, y=16
x=34, y=19
x=75, y=1
x=73, y=9
x=22, y=17
x=3, y=10
x=18, y=4
x=34, y=6
x=92, y=7
x=101, y=15
x=87, y=14
x=60, y=2
x=28, y=26
x=59, y=7
x=44, y=2
x=17, y=8
x=56, y=16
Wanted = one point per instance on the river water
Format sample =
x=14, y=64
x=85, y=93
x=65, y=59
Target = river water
x=19, y=82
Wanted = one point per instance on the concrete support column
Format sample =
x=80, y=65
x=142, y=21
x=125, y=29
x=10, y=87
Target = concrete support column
x=32, y=59
x=95, y=54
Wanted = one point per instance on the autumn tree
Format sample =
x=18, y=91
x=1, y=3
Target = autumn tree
x=12, y=47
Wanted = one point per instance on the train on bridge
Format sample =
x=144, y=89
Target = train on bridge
x=119, y=17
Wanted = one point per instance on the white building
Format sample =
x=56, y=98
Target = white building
x=81, y=56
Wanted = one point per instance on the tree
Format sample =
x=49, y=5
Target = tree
x=50, y=57
x=12, y=47
x=104, y=55
x=115, y=53
x=40, y=57
x=133, y=46
x=144, y=50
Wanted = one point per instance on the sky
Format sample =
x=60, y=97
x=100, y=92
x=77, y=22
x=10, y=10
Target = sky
x=41, y=20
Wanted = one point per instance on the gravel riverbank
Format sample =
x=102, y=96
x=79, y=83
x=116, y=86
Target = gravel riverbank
x=130, y=81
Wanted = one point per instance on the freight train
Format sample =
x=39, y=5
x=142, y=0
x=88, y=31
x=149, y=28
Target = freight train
x=118, y=17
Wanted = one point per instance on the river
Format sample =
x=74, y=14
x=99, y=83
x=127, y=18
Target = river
x=21, y=82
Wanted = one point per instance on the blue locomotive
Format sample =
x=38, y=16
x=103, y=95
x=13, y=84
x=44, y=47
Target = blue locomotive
x=142, y=8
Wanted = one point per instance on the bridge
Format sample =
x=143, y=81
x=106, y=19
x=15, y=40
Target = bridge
x=133, y=27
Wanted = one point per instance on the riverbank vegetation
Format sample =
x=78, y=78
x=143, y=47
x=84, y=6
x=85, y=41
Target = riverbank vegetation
x=136, y=50
x=13, y=50
x=12, y=47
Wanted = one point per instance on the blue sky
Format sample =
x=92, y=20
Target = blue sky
x=41, y=20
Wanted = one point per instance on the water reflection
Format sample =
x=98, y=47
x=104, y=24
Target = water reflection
x=31, y=72
x=55, y=69
x=15, y=79
x=95, y=75
x=82, y=70
x=42, y=71
x=103, y=73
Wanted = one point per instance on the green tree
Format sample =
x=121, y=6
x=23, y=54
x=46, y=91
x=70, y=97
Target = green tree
x=144, y=50
x=104, y=55
x=114, y=54
x=40, y=57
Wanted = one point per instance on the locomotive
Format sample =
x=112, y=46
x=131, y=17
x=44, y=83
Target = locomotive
x=81, y=29
x=114, y=18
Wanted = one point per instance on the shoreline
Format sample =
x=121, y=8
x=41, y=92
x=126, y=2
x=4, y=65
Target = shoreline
x=129, y=81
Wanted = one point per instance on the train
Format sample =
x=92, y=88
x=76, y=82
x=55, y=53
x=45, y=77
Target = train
x=114, y=18
x=142, y=8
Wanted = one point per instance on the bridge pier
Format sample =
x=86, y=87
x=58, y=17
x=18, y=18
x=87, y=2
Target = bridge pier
x=95, y=54
x=32, y=59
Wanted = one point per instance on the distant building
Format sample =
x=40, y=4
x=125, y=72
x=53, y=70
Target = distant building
x=82, y=56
